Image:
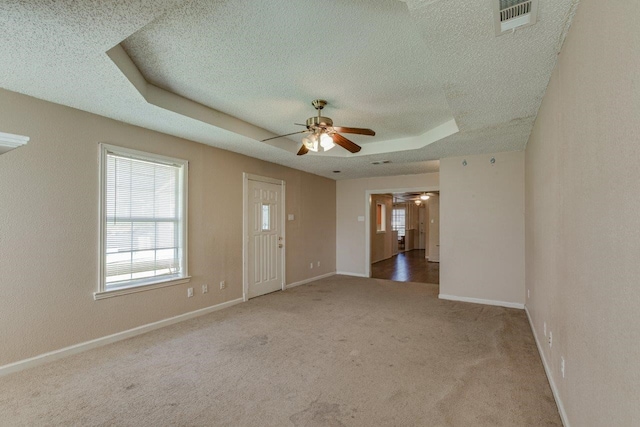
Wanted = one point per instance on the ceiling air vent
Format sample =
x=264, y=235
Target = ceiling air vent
x=512, y=14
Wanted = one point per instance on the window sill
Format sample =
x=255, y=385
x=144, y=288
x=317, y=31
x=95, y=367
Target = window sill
x=135, y=289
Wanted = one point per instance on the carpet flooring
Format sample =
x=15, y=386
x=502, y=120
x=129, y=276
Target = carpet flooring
x=341, y=351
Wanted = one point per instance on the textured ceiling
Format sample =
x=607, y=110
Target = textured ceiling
x=400, y=68
x=265, y=66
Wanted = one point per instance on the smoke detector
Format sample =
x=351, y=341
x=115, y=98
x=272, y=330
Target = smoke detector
x=512, y=14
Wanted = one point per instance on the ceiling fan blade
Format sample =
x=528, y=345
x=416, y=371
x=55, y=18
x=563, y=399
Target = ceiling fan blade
x=303, y=150
x=359, y=131
x=282, y=136
x=345, y=143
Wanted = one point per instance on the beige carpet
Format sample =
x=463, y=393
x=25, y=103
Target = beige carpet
x=341, y=351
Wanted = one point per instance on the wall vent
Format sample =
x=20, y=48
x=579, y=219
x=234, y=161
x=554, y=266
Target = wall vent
x=512, y=14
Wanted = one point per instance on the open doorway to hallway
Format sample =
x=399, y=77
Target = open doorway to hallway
x=405, y=241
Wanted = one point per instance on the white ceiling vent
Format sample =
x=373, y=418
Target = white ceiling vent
x=512, y=14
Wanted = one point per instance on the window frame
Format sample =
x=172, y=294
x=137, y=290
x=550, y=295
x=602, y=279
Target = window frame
x=144, y=285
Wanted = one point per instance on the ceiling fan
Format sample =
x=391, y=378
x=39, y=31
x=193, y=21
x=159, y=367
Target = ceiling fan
x=323, y=135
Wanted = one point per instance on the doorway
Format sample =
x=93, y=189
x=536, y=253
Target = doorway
x=411, y=249
x=263, y=246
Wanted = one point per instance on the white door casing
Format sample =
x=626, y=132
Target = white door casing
x=264, y=236
x=368, y=219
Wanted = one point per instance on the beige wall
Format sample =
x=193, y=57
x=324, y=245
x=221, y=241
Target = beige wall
x=583, y=217
x=381, y=243
x=49, y=227
x=433, y=225
x=352, y=201
x=482, y=227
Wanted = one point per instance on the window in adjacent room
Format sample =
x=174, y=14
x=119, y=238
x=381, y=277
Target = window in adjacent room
x=381, y=217
x=143, y=220
x=398, y=221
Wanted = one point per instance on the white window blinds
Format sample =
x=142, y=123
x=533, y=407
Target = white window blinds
x=144, y=220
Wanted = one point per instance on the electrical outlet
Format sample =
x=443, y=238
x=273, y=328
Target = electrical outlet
x=223, y=285
x=205, y=289
x=311, y=266
x=550, y=338
x=562, y=366
x=318, y=264
x=189, y=292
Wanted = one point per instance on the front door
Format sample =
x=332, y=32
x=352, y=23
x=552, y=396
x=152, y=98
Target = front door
x=265, y=246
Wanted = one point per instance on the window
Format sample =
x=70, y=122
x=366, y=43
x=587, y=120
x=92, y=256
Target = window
x=398, y=221
x=266, y=222
x=381, y=217
x=143, y=220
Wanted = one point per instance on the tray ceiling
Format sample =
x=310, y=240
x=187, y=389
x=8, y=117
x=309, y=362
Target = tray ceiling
x=429, y=76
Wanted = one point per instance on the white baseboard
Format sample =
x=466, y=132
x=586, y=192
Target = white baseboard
x=547, y=370
x=482, y=301
x=309, y=280
x=347, y=273
x=99, y=342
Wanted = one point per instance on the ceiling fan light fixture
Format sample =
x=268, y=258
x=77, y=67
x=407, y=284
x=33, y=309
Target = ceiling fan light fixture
x=326, y=141
x=323, y=136
x=424, y=196
x=418, y=202
x=311, y=142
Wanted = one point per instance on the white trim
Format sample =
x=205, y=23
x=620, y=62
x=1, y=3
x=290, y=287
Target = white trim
x=245, y=228
x=348, y=273
x=134, y=289
x=9, y=141
x=119, y=336
x=547, y=370
x=259, y=178
x=245, y=237
x=367, y=217
x=309, y=280
x=482, y=301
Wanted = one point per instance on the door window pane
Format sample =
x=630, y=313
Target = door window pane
x=266, y=210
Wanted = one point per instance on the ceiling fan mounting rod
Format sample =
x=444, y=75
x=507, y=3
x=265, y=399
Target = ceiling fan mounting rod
x=319, y=104
x=319, y=124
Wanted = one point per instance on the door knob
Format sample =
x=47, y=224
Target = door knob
x=280, y=245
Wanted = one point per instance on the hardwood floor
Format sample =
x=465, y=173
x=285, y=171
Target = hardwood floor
x=408, y=266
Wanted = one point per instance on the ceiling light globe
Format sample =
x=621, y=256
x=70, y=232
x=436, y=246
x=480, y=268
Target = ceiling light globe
x=326, y=141
x=311, y=142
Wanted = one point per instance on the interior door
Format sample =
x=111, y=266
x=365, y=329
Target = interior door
x=265, y=246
